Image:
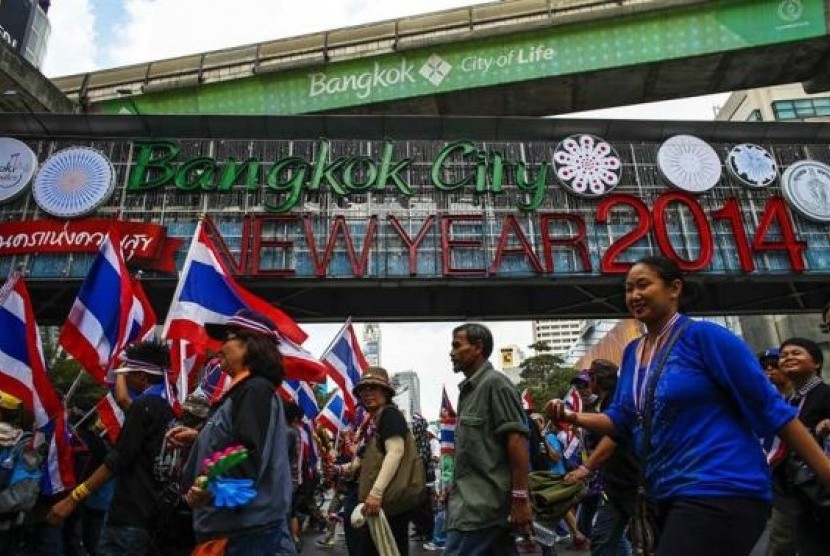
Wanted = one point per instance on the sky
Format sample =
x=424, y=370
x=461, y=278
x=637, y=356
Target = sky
x=95, y=34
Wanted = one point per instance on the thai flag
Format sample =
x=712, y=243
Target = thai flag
x=310, y=452
x=23, y=375
x=207, y=293
x=527, y=400
x=346, y=364
x=185, y=362
x=446, y=404
x=301, y=393
x=446, y=431
x=142, y=315
x=214, y=383
x=333, y=414
x=105, y=313
x=111, y=416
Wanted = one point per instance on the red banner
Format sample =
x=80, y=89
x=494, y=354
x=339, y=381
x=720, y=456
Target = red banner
x=145, y=245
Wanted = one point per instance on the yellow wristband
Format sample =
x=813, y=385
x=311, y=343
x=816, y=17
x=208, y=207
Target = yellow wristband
x=80, y=492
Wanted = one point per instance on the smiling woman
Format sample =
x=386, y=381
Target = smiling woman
x=692, y=401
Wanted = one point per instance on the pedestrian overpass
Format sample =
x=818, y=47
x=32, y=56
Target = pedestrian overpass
x=517, y=57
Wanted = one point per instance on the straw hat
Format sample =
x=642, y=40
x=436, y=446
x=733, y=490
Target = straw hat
x=374, y=376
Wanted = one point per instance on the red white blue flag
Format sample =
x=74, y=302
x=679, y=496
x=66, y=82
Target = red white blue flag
x=111, y=417
x=333, y=414
x=208, y=293
x=446, y=404
x=346, y=364
x=107, y=313
x=23, y=375
x=527, y=400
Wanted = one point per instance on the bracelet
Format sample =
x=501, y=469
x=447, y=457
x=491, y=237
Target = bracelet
x=79, y=493
x=519, y=493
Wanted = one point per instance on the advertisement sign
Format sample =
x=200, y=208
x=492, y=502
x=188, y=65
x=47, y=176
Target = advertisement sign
x=643, y=38
x=145, y=245
x=74, y=182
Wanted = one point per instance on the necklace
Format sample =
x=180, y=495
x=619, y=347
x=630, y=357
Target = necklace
x=638, y=387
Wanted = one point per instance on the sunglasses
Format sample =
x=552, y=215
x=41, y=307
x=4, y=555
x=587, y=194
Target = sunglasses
x=231, y=336
x=824, y=327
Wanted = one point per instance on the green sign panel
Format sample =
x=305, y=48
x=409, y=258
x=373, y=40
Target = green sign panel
x=556, y=51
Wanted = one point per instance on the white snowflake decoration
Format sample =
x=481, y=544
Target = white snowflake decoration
x=587, y=165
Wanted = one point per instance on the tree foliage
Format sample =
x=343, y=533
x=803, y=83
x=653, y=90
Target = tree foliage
x=63, y=370
x=545, y=375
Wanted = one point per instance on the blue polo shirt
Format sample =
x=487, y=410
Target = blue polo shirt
x=712, y=404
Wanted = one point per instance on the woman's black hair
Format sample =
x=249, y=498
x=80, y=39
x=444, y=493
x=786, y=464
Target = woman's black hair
x=668, y=270
x=262, y=356
x=810, y=347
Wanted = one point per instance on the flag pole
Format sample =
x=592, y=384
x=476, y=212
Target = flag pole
x=336, y=337
x=72, y=388
x=185, y=269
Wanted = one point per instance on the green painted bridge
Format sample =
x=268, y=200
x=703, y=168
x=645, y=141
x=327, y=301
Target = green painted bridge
x=520, y=57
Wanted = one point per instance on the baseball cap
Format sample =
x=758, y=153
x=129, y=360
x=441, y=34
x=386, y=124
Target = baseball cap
x=771, y=353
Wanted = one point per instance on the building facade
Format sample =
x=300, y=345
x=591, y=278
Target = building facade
x=408, y=382
x=560, y=335
x=781, y=103
x=511, y=357
x=371, y=343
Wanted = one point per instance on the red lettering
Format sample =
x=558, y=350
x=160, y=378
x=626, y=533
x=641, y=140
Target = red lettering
x=259, y=244
x=510, y=223
x=237, y=267
x=731, y=212
x=448, y=244
x=609, y=263
x=704, y=232
x=775, y=212
x=578, y=242
x=339, y=225
x=412, y=245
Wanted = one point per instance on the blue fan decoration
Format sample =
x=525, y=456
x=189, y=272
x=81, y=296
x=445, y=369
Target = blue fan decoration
x=74, y=182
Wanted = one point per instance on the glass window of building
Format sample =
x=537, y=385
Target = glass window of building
x=801, y=108
x=755, y=116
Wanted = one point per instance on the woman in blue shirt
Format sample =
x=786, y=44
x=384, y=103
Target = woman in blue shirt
x=705, y=469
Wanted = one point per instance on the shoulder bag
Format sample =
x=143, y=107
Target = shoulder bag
x=643, y=524
x=405, y=490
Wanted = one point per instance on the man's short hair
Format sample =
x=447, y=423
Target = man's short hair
x=477, y=334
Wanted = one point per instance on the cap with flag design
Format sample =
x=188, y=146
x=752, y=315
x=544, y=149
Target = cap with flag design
x=135, y=365
x=244, y=319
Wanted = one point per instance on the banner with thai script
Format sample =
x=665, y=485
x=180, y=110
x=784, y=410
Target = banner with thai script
x=145, y=245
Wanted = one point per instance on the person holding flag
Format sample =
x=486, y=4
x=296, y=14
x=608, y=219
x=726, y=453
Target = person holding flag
x=130, y=521
x=250, y=414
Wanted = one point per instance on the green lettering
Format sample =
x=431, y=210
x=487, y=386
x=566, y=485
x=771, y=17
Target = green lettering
x=387, y=171
x=353, y=168
x=498, y=164
x=152, y=171
x=481, y=172
x=437, y=172
x=537, y=186
x=196, y=173
x=287, y=175
x=324, y=172
x=233, y=172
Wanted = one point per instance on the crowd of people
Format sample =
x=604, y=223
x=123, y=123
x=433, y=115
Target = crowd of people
x=691, y=445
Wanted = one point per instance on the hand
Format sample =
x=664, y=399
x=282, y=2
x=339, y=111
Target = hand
x=576, y=475
x=197, y=497
x=371, y=506
x=521, y=516
x=61, y=511
x=555, y=409
x=181, y=436
x=823, y=428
